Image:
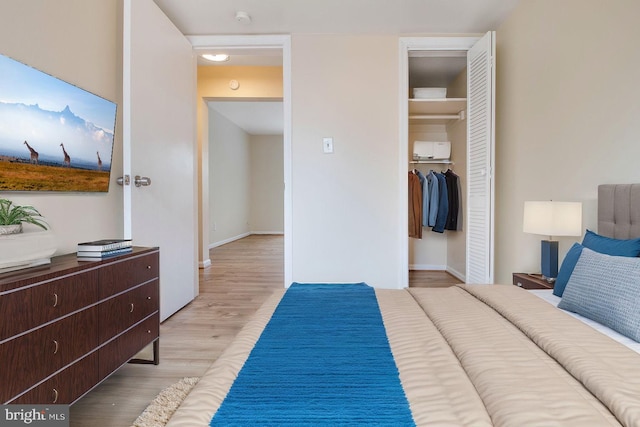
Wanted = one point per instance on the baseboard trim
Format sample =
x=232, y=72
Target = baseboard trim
x=432, y=267
x=457, y=274
x=229, y=240
x=204, y=264
x=241, y=236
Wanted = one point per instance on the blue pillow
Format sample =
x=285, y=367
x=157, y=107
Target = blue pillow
x=609, y=246
x=606, y=289
x=598, y=243
x=568, y=264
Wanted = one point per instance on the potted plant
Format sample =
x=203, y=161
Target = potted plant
x=12, y=216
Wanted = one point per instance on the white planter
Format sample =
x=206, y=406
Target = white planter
x=10, y=229
x=30, y=248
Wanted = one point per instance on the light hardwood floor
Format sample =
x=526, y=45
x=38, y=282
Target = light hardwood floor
x=431, y=279
x=242, y=275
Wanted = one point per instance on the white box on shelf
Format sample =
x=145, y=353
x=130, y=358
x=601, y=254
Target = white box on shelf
x=431, y=150
x=429, y=92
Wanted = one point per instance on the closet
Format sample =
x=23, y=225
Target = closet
x=463, y=117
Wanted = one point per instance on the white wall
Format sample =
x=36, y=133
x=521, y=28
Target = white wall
x=567, y=114
x=267, y=184
x=567, y=120
x=345, y=204
x=246, y=175
x=64, y=39
x=229, y=179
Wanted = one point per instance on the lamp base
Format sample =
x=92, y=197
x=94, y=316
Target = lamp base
x=549, y=259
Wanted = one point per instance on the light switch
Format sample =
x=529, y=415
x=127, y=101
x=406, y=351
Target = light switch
x=327, y=145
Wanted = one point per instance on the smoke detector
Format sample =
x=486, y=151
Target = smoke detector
x=243, y=18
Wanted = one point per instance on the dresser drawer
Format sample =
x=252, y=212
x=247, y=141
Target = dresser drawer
x=38, y=354
x=55, y=318
x=66, y=386
x=30, y=307
x=120, y=312
x=122, y=275
x=124, y=347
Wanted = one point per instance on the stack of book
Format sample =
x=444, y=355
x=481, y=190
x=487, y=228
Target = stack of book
x=93, y=251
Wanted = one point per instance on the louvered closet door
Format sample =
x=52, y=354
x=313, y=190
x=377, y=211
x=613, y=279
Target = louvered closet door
x=480, y=152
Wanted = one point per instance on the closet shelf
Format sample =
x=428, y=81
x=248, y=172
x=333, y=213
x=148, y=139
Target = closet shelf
x=437, y=109
x=459, y=116
x=431, y=162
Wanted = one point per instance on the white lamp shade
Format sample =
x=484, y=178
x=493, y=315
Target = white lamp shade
x=553, y=218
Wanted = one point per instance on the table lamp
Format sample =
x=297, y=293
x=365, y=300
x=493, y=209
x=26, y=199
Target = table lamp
x=552, y=219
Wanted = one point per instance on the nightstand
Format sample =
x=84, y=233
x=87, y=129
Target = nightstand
x=531, y=281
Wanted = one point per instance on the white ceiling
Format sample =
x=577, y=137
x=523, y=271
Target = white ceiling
x=402, y=17
x=254, y=117
x=207, y=17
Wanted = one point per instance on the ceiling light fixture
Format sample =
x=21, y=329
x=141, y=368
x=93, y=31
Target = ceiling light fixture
x=243, y=18
x=221, y=57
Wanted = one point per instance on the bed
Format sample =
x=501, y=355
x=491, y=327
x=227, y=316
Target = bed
x=483, y=355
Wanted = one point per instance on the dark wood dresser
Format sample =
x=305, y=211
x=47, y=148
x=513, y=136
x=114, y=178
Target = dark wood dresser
x=66, y=326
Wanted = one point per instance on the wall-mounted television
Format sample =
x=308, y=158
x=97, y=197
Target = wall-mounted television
x=54, y=136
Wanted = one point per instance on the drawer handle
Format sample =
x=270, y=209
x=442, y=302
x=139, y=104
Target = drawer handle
x=55, y=299
x=148, y=267
x=149, y=298
x=56, y=346
x=131, y=308
x=519, y=284
x=148, y=331
x=55, y=395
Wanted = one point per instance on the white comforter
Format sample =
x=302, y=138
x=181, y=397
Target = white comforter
x=475, y=356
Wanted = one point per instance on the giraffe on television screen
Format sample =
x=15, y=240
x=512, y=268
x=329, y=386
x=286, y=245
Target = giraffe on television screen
x=34, y=153
x=67, y=159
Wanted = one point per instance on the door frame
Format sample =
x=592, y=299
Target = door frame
x=282, y=42
x=408, y=44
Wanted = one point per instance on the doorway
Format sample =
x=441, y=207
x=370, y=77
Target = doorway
x=256, y=44
x=478, y=155
x=245, y=169
x=437, y=255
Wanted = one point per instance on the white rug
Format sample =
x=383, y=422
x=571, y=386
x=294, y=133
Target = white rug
x=165, y=404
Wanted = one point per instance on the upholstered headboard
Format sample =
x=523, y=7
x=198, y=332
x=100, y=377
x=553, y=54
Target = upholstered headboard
x=619, y=210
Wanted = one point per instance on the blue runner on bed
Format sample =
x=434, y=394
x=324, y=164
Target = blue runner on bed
x=323, y=359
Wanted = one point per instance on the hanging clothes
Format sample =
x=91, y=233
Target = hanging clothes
x=454, y=200
x=415, y=206
x=430, y=200
x=443, y=204
x=423, y=187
